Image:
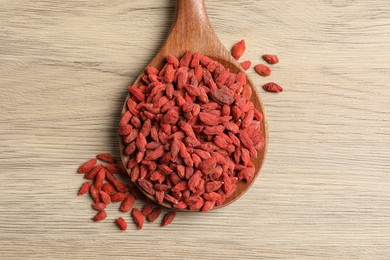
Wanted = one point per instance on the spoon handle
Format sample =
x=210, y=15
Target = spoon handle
x=191, y=30
x=191, y=13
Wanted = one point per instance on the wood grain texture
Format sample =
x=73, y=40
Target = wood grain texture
x=324, y=191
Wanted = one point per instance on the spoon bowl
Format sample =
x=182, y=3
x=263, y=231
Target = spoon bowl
x=191, y=30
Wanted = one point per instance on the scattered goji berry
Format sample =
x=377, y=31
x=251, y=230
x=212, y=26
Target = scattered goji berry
x=127, y=203
x=87, y=166
x=121, y=223
x=94, y=193
x=272, y=87
x=100, y=176
x=119, y=196
x=100, y=216
x=154, y=215
x=271, y=58
x=99, y=206
x=263, y=70
x=84, y=188
x=105, y=157
x=104, y=197
x=138, y=217
x=147, y=209
x=168, y=218
x=108, y=188
x=238, y=49
x=246, y=64
x=92, y=173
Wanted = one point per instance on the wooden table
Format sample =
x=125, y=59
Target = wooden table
x=324, y=191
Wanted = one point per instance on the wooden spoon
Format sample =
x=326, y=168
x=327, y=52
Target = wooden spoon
x=191, y=30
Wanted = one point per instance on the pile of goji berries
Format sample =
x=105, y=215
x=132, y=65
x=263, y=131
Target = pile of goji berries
x=106, y=189
x=191, y=132
x=263, y=70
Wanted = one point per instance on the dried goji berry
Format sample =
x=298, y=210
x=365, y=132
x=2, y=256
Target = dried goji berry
x=94, y=193
x=180, y=205
x=108, y=188
x=100, y=216
x=119, y=196
x=99, y=206
x=100, y=176
x=87, y=166
x=168, y=218
x=246, y=64
x=271, y=58
x=146, y=186
x=173, y=60
x=105, y=197
x=272, y=87
x=263, y=70
x=121, y=223
x=92, y=173
x=186, y=59
x=154, y=215
x=84, y=188
x=105, y=157
x=151, y=70
x=208, y=205
x=147, y=209
x=127, y=203
x=138, y=217
x=238, y=49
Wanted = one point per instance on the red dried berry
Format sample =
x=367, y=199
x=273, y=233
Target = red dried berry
x=87, y=166
x=246, y=64
x=121, y=223
x=147, y=209
x=105, y=157
x=84, y=188
x=180, y=205
x=100, y=216
x=271, y=58
x=94, y=193
x=105, y=197
x=108, y=188
x=127, y=204
x=119, y=196
x=238, y=49
x=151, y=70
x=263, y=70
x=247, y=174
x=136, y=93
x=168, y=218
x=99, y=206
x=100, y=176
x=146, y=186
x=121, y=187
x=115, y=168
x=272, y=87
x=92, y=173
x=154, y=215
x=125, y=129
x=186, y=59
x=138, y=217
x=208, y=205
x=173, y=60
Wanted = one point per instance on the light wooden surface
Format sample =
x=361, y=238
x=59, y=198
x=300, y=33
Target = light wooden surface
x=324, y=191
